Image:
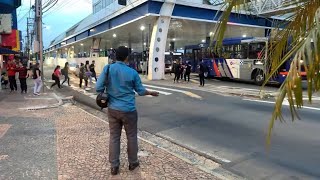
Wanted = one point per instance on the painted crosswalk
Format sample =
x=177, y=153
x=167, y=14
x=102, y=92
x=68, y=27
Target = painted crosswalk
x=90, y=92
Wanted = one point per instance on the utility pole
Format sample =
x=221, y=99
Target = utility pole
x=39, y=45
x=29, y=37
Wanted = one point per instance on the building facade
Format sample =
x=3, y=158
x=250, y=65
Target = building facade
x=149, y=26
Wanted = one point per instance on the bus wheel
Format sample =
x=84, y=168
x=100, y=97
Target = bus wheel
x=259, y=78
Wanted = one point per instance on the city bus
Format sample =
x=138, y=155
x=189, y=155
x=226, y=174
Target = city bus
x=137, y=59
x=241, y=58
x=169, y=58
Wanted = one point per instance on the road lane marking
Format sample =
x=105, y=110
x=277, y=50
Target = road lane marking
x=285, y=103
x=161, y=92
x=175, y=90
x=3, y=129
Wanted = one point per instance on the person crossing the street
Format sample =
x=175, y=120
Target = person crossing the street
x=65, y=72
x=92, y=70
x=56, y=77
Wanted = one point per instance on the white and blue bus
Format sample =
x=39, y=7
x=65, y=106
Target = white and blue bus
x=241, y=58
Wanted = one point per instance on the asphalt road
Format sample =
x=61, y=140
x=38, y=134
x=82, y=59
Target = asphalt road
x=231, y=130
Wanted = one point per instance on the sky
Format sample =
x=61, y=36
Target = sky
x=58, y=19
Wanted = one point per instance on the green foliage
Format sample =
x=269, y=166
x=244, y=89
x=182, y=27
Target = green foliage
x=299, y=40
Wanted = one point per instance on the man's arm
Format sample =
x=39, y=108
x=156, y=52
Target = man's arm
x=100, y=85
x=138, y=87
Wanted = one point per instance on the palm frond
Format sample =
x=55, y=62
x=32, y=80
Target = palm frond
x=296, y=39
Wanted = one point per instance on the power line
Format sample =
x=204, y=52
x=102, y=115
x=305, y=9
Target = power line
x=53, y=3
x=58, y=7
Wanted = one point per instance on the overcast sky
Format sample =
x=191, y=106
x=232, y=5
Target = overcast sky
x=58, y=19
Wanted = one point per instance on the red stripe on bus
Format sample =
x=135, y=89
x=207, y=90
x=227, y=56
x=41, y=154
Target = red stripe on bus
x=215, y=68
x=286, y=73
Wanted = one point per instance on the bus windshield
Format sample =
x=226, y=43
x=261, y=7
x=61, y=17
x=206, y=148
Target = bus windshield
x=255, y=50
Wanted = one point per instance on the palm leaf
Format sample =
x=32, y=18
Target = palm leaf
x=297, y=42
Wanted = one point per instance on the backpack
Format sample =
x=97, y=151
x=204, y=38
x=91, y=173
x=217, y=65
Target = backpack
x=63, y=71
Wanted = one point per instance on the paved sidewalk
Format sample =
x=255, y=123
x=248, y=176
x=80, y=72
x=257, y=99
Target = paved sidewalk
x=66, y=142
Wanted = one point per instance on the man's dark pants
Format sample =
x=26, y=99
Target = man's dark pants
x=129, y=120
x=176, y=77
x=23, y=84
x=13, y=83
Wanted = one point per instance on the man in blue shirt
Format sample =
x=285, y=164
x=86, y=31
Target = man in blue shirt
x=123, y=82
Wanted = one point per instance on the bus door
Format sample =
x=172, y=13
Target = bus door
x=196, y=59
x=255, y=65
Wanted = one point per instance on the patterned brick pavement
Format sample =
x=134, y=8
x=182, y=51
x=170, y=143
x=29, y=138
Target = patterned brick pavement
x=82, y=143
x=79, y=143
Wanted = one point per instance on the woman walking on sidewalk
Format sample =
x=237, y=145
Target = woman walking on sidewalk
x=37, y=80
x=65, y=71
x=23, y=75
x=56, y=77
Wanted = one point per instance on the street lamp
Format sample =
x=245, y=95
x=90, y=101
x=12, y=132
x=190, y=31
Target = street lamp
x=114, y=35
x=142, y=28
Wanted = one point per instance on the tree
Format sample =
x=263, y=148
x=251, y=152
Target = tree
x=297, y=38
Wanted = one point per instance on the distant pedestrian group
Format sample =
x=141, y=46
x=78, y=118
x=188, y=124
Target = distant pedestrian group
x=23, y=72
x=86, y=73
x=182, y=71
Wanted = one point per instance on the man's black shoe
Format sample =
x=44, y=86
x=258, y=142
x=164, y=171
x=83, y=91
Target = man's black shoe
x=114, y=171
x=133, y=166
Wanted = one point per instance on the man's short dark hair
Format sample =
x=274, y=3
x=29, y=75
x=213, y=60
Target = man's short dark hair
x=122, y=53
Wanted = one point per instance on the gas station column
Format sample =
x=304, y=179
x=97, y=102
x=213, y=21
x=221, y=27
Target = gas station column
x=158, y=41
x=70, y=52
x=95, y=47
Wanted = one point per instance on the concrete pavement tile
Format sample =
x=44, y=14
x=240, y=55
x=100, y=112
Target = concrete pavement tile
x=82, y=146
x=80, y=135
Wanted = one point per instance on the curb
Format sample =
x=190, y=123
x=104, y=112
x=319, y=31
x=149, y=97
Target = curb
x=60, y=103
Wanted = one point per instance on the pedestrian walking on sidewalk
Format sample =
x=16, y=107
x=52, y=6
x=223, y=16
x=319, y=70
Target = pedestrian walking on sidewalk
x=56, y=77
x=23, y=75
x=82, y=76
x=92, y=70
x=122, y=83
x=11, y=70
x=37, y=80
x=65, y=72
x=187, y=72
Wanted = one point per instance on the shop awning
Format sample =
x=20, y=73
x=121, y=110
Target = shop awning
x=7, y=51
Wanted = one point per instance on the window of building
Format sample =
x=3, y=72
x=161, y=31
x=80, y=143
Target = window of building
x=97, y=7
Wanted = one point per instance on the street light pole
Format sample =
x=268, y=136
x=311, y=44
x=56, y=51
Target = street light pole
x=39, y=35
